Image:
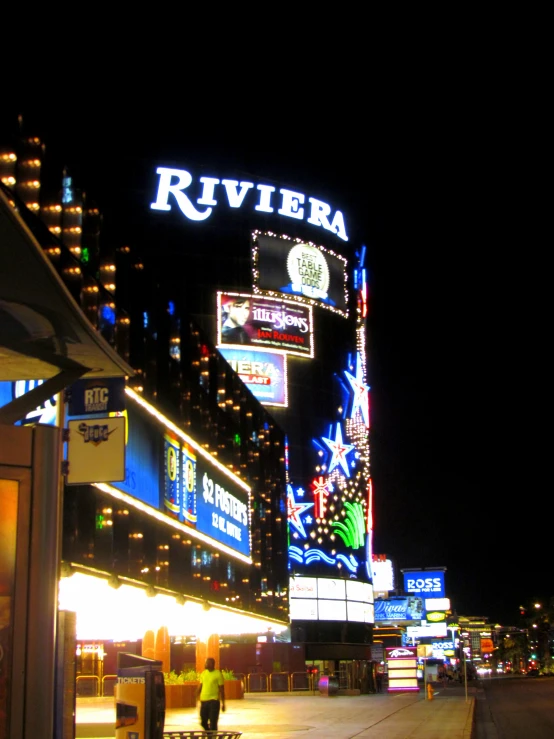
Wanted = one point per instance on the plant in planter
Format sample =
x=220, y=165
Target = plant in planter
x=234, y=687
x=180, y=689
x=172, y=678
x=190, y=676
x=190, y=684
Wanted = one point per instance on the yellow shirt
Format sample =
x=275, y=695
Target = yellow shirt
x=210, y=685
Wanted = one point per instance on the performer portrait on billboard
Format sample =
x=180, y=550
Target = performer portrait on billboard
x=235, y=314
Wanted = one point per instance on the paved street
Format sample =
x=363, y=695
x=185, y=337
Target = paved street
x=291, y=716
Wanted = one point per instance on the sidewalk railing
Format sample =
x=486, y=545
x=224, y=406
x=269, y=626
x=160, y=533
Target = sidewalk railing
x=87, y=686
x=108, y=684
x=279, y=682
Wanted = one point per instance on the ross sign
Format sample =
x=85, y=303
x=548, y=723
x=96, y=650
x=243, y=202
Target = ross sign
x=311, y=273
x=443, y=645
x=425, y=582
x=96, y=451
x=263, y=373
x=205, y=193
x=96, y=396
x=265, y=323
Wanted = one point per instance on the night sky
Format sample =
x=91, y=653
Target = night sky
x=442, y=193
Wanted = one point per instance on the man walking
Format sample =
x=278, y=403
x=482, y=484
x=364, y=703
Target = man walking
x=211, y=695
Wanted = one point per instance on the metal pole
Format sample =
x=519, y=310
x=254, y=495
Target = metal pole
x=465, y=672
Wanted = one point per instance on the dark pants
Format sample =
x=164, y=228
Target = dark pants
x=209, y=715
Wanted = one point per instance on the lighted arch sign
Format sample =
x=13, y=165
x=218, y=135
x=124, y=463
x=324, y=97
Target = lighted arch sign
x=205, y=193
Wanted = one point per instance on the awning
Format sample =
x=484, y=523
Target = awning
x=44, y=334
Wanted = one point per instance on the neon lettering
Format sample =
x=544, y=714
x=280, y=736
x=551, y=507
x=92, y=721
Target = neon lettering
x=173, y=182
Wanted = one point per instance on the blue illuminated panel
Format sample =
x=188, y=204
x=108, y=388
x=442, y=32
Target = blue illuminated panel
x=221, y=507
x=425, y=582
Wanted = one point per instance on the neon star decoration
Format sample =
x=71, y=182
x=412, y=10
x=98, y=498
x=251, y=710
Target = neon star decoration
x=321, y=490
x=295, y=510
x=361, y=391
x=339, y=451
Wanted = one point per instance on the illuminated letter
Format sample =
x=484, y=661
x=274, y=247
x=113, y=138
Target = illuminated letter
x=208, y=191
x=265, y=198
x=320, y=211
x=337, y=226
x=165, y=187
x=235, y=198
x=289, y=206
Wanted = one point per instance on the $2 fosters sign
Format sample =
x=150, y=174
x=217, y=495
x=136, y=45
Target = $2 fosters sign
x=222, y=508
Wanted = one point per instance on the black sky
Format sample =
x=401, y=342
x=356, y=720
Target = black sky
x=441, y=187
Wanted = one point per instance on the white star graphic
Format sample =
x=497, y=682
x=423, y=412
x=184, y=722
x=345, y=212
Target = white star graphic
x=339, y=451
x=361, y=391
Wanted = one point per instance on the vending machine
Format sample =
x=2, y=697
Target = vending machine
x=139, y=698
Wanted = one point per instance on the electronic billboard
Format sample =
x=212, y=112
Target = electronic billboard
x=308, y=273
x=263, y=322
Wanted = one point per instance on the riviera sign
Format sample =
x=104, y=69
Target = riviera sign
x=175, y=181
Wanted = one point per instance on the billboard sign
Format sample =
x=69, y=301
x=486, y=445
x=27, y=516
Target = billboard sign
x=419, y=632
x=425, y=582
x=437, y=604
x=222, y=507
x=310, y=273
x=178, y=478
x=263, y=373
x=264, y=323
x=402, y=668
x=399, y=609
x=96, y=450
x=383, y=574
x=330, y=599
x=95, y=395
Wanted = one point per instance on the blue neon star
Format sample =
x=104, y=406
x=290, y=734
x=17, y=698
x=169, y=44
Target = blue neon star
x=339, y=451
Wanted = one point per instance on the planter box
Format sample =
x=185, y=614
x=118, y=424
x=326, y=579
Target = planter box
x=189, y=694
x=234, y=689
x=181, y=695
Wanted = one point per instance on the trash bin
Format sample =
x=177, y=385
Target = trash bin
x=328, y=685
x=201, y=734
x=139, y=698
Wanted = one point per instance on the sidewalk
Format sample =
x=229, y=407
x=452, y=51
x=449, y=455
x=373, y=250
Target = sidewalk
x=291, y=716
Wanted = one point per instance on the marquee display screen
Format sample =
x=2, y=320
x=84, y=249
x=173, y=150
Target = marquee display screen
x=310, y=273
x=263, y=373
x=330, y=599
x=264, y=323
